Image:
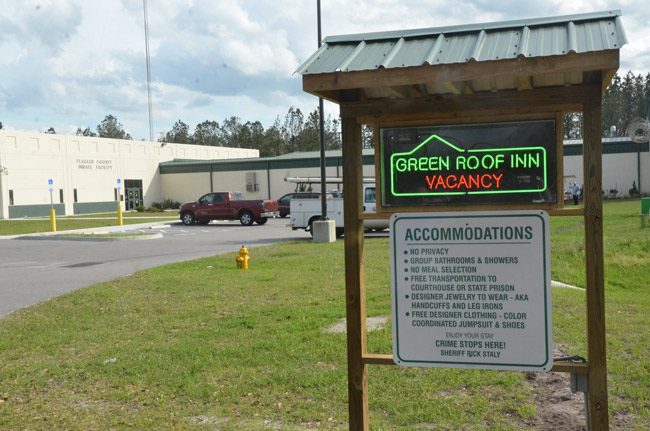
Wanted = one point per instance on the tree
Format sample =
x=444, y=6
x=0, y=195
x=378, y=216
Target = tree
x=51, y=131
x=179, y=134
x=332, y=133
x=309, y=136
x=85, y=132
x=273, y=143
x=294, y=123
x=231, y=130
x=572, y=125
x=208, y=133
x=111, y=128
x=624, y=100
x=252, y=135
x=367, y=136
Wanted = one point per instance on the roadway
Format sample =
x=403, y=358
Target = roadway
x=35, y=268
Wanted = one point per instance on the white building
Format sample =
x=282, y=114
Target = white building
x=85, y=171
x=624, y=162
x=79, y=175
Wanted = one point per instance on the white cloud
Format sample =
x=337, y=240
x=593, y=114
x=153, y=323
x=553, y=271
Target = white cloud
x=69, y=62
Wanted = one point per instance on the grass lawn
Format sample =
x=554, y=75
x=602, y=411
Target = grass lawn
x=202, y=345
x=34, y=225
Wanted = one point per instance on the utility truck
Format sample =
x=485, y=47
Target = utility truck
x=305, y=211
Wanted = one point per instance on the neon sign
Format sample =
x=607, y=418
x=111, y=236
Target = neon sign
x=483, y=163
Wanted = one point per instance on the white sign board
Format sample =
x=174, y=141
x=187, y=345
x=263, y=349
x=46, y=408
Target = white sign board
x=471, y=290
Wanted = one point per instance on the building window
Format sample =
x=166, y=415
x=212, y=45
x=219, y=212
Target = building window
x=60, y=195
x=75, y=195
x=11, y=197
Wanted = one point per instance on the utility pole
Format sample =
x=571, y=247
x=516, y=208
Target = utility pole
x=321, y=124
x=146, y=44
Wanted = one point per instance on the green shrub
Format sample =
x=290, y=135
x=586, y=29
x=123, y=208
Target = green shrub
x=139, y=208
x=170, y=204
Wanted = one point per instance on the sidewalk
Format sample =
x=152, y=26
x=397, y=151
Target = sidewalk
x=103, y=230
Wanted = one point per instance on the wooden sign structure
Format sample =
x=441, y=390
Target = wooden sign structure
x=436, y=77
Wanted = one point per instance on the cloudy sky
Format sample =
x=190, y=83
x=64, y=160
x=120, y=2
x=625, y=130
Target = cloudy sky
x=68, y=63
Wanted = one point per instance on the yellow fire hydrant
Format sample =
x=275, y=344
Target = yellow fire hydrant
x=242, y=258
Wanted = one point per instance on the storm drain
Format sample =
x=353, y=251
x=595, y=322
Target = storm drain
x=82, y=264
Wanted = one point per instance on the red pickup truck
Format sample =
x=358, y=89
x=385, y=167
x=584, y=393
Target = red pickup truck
x=227, y=206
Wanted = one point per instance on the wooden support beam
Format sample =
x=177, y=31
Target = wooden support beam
x=507, y=103
x=559, y=158
x=451, y=87
x=417, y=90
x=570, y=367
x=399, y=92
x=384, y=214
x=600, y=60
x=594, y=268
x=558, y=366
x=524, y=82
x=354, y=274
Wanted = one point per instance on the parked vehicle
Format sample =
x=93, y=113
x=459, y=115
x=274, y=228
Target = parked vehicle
x=284, y=203
x=305, y=211
x=228, y=206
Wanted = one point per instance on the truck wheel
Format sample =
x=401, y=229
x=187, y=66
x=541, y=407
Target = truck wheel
x=246, y=218
x=311, y=225
x=188, y=219
x=262, y=221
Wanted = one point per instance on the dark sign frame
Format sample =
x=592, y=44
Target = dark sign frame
x=511, y=162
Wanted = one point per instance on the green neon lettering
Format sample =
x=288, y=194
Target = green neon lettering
x=412, y=164
x=461, y=182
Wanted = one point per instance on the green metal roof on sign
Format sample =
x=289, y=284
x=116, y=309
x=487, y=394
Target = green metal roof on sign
x=540, y=37
x=467, y=59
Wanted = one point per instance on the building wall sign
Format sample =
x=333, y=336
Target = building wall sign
x=471, y=290
x=478, y=163
x=94, y=164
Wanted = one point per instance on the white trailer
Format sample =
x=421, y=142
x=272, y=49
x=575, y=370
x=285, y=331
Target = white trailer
x=305, y=211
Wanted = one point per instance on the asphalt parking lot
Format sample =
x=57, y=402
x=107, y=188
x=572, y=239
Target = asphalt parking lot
x=35, y=268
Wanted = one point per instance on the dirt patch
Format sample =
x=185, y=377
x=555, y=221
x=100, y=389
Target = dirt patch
x=558, y=409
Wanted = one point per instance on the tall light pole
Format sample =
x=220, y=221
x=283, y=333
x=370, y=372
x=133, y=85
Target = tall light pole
x=146, y=44
x=321, y=123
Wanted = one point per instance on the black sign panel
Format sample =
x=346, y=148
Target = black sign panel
x=512, y=162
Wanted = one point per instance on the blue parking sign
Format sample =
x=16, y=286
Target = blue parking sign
x=50, y=182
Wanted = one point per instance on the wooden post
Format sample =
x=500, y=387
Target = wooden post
x=354, y=275
x=594, y=265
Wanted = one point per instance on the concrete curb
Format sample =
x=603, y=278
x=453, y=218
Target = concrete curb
x=95, y=231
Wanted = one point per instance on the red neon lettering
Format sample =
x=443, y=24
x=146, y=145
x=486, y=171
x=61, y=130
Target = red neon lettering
x=430, y=181
x=465, y=182
x=498, y=179
x=483, y=181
